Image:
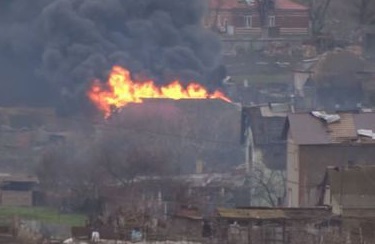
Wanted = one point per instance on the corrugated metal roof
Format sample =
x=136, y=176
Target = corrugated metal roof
x=189, y=214
x=307, y=129
x=273, y=213
x=19, y=178
x=275, y=110
x=251, y=213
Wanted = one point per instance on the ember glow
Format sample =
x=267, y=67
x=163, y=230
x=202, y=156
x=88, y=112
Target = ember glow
x=122, y=90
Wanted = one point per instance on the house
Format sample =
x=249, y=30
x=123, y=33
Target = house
x=17, y=190
x=264, y=124
x=333, y=80
x=279, y=17
x=190, y=130
x=302, y=72
x=317, y=140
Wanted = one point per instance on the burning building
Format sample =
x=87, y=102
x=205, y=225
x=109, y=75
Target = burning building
x=190, y=122
x=199, y=135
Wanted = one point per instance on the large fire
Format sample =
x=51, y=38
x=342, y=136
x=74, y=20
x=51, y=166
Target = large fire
x=122, y=90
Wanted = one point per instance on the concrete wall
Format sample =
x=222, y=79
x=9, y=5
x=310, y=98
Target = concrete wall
x=292, y=174
x=314, y=159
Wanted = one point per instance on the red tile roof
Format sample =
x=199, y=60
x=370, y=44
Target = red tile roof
x=238, y=4
x=289, y=5
x=227, y=4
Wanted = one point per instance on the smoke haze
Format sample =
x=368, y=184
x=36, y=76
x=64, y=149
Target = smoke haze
x=51, y=50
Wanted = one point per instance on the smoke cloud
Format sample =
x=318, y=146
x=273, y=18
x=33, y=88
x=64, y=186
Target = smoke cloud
x=54, y=48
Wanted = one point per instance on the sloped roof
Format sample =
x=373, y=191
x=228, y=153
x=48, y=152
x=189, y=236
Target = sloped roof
x=289, y=5
x=193, y=214
x=227, y=4
x=250, y=213
x=19, y=178
x=307, y=129
x=275, y=110
x=272, y=213
x=266, y=121
x=241, y=4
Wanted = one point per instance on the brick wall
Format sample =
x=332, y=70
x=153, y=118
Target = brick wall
x=16, y=198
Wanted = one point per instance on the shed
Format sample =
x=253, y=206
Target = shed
x=314, y=142
x=350, y=191
x=17, y=190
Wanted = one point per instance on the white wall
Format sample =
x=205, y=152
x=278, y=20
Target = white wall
x=292, y=174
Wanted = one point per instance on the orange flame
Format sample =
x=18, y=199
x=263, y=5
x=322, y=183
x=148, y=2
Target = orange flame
x=122, y=90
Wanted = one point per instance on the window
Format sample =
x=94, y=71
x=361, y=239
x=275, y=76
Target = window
x=248, y=21
x=222, y=23
x=271, y=21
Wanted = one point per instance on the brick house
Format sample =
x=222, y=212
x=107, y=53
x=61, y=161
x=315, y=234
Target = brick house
x=234, y=17
x=315, y=142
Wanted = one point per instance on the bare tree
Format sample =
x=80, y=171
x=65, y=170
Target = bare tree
x=67, y=172
x=268, y=186
x=125, y=161
x=318, y=12
x=363, y=11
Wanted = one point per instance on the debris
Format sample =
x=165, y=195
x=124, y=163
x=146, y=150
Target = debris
x=329, y=118
x=367, y=133
x=67, y=241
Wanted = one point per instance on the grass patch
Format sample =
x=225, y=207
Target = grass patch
x=42, y=214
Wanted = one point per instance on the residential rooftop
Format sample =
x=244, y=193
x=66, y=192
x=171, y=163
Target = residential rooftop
x=307, y=129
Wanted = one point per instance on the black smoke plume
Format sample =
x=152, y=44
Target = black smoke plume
x=52, y=49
